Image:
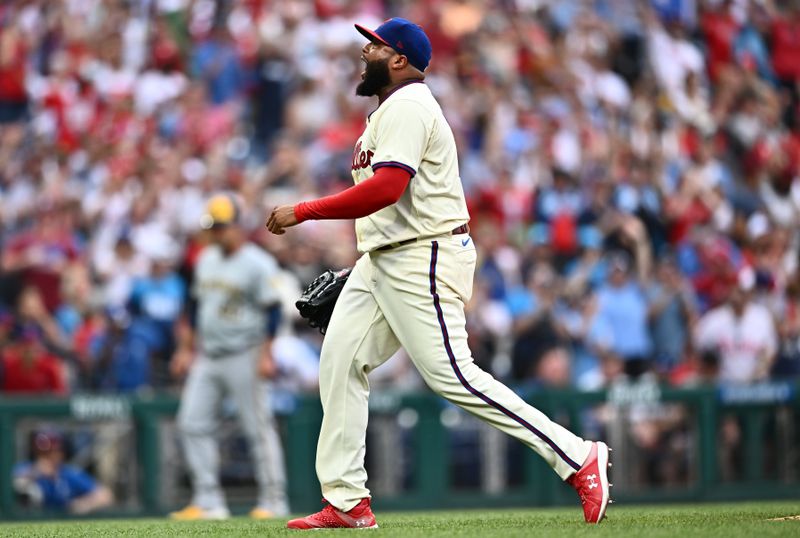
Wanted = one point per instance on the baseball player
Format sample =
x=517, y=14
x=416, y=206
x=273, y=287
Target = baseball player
x=235, y=314
x=409, y=288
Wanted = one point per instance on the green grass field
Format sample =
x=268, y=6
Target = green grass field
x=723, y=520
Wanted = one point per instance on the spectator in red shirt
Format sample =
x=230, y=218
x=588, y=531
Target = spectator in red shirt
x=786, y=45
x=27, y=368
x=44, y=252
x=786, y=57
x=720, y=29
x=32, y=313
x=13, y=96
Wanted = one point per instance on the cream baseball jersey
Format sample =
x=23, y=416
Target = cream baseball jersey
x=408, y=130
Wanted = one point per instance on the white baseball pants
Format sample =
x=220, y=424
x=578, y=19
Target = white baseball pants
x=413, y=296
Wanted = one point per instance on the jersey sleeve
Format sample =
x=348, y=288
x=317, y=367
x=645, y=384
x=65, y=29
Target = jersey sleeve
x=401, y=136
x=384, y=188
x=194, y=286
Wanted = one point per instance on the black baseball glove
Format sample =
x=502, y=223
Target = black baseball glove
x=317, y=302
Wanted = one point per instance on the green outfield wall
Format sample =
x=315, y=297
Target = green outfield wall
x=765, y=459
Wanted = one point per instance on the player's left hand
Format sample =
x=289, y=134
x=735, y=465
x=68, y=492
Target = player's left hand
x=281, y=217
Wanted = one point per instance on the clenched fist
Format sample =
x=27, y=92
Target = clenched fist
x=281, y=217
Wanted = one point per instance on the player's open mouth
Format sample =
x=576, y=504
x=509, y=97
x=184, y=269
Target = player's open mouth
x=364, y=72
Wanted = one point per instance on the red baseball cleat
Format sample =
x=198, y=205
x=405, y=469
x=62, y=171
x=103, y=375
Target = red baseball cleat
x=360, y=517
x=591, y=483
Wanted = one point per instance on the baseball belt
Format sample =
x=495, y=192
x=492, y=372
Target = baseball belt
x=463, y=229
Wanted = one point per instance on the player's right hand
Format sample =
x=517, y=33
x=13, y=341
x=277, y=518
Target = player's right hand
x=181, y=362
x=281, y=217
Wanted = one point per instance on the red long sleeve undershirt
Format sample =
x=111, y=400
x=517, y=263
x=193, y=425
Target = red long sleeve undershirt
x=383, y=189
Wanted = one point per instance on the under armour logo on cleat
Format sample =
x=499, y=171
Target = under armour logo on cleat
x=591, y=478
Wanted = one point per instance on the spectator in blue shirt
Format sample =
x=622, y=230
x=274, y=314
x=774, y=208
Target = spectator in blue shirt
x=49, y=483
x=155, y=303
x=217, y=63
x=672, y=310
x=535, y=331
x=750, y=48
x=622, y=305
x=133, y=349
x=589, y=337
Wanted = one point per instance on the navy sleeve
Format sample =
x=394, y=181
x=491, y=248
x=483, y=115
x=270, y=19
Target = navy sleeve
x=274, y=318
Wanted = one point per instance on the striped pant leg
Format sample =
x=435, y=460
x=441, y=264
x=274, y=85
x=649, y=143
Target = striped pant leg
x=421, y=291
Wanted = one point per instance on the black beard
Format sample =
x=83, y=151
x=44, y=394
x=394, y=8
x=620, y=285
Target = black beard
x=376, y=77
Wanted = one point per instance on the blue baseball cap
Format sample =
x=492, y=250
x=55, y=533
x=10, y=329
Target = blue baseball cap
x=404, y=37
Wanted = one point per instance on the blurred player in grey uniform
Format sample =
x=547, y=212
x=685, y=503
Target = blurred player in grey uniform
x=225, y=349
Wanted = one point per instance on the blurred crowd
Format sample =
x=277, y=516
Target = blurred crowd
x=632, y=171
